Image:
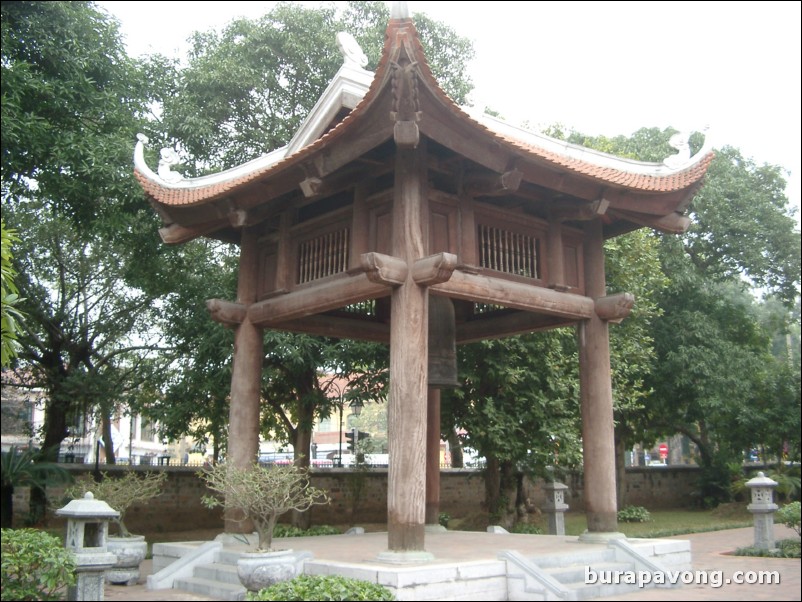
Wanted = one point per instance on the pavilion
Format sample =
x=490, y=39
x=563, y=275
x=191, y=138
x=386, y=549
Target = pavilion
x=390, y=193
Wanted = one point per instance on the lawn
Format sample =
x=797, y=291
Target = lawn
x=670, y=522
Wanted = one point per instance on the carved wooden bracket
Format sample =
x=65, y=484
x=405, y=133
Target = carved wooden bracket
x=311, y=186
x=434, y=269
x=406, y=134
x=673, y=223
x=614, y=308
x=384, y=269
x=226, y=312
x=490, y=184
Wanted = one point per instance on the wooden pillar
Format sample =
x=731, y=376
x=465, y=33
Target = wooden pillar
x=555, y=262
x=598, y=439
x=433, y=458
x=246, y=374
x=406, y=491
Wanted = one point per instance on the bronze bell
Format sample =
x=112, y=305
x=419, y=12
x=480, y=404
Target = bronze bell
x=442, y=343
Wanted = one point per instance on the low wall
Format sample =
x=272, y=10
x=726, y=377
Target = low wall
x=361, y=497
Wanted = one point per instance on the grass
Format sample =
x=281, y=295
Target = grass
x=784, y=548
x=665, y=523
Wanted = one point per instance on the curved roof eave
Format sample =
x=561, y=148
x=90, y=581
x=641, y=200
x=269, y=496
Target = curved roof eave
x=676, y=173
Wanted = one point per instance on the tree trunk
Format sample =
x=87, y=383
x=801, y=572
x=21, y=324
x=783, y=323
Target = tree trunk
x=301, y=446
x=454, y=444
x=500, y=492
x=7, y=507
x=108, y=443
x=620, y=470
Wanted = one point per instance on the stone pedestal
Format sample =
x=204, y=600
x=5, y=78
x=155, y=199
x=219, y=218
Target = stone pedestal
x=763, y=509
x=555, y=507
x=129, y=553
x=258, y=570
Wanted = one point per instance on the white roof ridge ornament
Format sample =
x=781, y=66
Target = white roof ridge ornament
x=589, y=155
x=399, y=10
x=351, y=50
x=182, y=182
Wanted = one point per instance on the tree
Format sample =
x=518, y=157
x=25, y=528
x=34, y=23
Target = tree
x=262, y=494
x=715, y=378
x=519, y=404
x=11, y=317
x=246, y=90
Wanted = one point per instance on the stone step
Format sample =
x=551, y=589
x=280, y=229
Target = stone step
x=225, y=573
x=582, y=556
x=576, y=573
x=226, y=556
x=212, y=589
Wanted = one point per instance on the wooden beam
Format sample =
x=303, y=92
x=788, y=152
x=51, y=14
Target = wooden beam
x=175, y=234
x=517, y=295
x=673, y=223
x=226, y=312
x=509, y=324
x=384, y=269
x=338, y=327
x=333, y=293
x=434, y=269
x=614, y=308
x=493, y=184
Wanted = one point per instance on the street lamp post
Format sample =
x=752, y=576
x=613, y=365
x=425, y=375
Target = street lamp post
x=356, y=407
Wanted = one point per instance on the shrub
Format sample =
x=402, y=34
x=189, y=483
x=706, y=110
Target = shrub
x=290, y=531
x=120, y=493
x=36, y=566
x=527, y=528
x=323, y=587
x=262, y=494
x=634, y=514
x=785, y=548
x=790, y=515
x=443, y=519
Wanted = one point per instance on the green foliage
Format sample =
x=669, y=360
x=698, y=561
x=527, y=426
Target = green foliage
x=790, y=515
x=323, y=587
x=290, y=531
x=785, y=548
x=262, y=494
x=634, y=514
x=35, y=566
x=715, y=482
x=25, y=468
x=247, y=88
x=526, y=528
x=120, y=493
x=11, y=316
x=443, y=519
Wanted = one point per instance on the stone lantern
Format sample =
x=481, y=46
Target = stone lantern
x=763, y=509
x=555, y=506
x=87, y=532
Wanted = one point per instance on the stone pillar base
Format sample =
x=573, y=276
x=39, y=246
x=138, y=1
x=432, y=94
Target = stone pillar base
x=411, y=557
x=600, y=537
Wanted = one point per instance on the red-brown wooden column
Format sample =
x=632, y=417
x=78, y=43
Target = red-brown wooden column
x=433, y=459
x=406, y=491
x=246, y=374
x=597, y=399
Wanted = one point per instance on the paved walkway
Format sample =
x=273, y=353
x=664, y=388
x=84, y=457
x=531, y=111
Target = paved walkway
x=711, y=561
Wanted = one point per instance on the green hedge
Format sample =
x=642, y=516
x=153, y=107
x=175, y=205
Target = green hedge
x=36, y=566
x=323, y=587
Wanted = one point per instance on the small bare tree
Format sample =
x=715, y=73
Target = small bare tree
x=262, y=494
x=120, y=493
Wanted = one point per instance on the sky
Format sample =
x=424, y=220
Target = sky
x=596, y=67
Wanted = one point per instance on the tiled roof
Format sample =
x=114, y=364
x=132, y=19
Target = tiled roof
x=645, y=178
